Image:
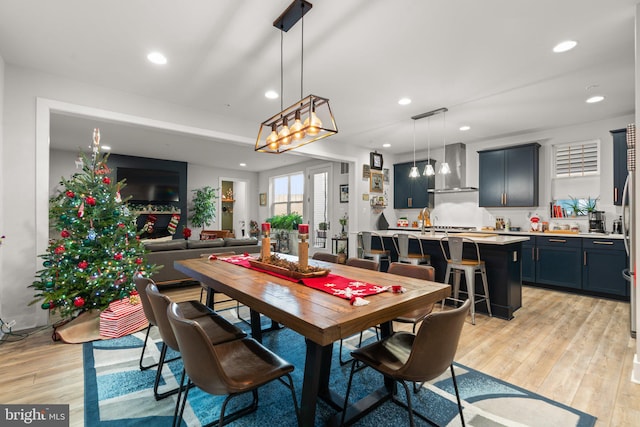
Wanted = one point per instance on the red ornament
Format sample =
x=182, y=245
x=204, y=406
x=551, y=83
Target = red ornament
x=138, y=261
x=106, y=180
x=59, y=250
x=118, y=256
x=70, y=194
x=78, y=302
x=186, y=232
x=65, y=233
x=83, y=265
x=90, y=201
x=134, y=292
x=121, y=225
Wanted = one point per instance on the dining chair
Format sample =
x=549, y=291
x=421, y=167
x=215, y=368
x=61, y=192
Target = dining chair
x=326, y=257
x=204, y=288
x=218, y=329
x=231, y=368
x=406, y=357
x=402, y=243
x=367, y=264
x=424, y=272
x=379, y=253
x=456, y=263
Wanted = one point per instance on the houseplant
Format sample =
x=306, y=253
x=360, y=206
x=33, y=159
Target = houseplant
x=281, y=226
x=203, y=211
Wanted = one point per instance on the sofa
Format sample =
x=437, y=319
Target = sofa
x=166, y=252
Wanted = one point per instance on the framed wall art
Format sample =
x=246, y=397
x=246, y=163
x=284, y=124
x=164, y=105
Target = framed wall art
x=263, y=199
x=344, y=193
x=376, y=183
x=366, y=172
x=376, y=160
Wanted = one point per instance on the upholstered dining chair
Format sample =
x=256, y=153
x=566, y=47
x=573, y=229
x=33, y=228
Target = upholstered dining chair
x=218, y=329
x=406, y=357
x=367, y=239
x=326, y=257
x=231, y=368
x=367, y=264
x=402, y=241
x=424, y=272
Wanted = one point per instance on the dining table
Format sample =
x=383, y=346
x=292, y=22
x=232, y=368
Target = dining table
x=321, y=317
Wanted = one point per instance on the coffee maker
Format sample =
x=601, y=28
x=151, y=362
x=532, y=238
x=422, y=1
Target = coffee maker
x=596, y=222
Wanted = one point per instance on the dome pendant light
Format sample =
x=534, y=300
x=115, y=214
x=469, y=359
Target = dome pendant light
x=413, y=173
x=311, y=118
x=428, y=169
x=444, y=167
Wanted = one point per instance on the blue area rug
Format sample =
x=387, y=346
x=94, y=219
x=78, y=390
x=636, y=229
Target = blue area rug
x=117, y=393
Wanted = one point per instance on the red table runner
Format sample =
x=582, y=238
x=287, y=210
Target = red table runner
x=333, y=284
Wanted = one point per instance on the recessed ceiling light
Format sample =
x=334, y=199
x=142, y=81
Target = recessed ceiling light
x=271, y=94
x=386, y=145
x=404, y=101
x=594, y=99
x=106, y=147
x=465, y=128
x=157, y=58
x=564, y=46
x=243, y=164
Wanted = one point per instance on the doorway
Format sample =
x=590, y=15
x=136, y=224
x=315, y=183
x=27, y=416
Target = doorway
x=320, y=179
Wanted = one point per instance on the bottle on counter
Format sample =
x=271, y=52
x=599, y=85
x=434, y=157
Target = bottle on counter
x=507, y=225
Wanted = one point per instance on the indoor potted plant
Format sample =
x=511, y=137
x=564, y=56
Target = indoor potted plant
x=203, y=211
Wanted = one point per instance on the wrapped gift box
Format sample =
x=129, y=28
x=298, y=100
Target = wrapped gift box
x=122, y=318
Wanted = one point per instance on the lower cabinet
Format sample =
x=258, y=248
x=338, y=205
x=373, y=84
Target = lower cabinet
x=602, y=265
x=584, y=264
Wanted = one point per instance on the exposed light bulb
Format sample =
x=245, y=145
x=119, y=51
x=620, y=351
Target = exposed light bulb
x=313, y=123
x=413, y=173
x=296, y=128
x=284, y=136
x=272, y=139
x=428, y=170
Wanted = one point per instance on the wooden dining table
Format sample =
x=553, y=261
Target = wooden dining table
x=322, y=318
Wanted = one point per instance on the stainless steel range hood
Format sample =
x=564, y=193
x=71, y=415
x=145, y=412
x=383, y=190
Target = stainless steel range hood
x=455, y=182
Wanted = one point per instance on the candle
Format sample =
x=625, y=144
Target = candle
x=266, y=226
x=303, y=229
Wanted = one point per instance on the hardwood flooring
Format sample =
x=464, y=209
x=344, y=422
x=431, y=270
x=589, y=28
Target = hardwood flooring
x=570, y=348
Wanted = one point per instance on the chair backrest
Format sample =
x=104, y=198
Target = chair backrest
x=198, y=355
x=424, y=272
x=455, y=246
x=324, y=256
x=159, y=304
x=366, y=238
x=141, y=286
x=401, y=242
x=363, y=263
x=435, y=344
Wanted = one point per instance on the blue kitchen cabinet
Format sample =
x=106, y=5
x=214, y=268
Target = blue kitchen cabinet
x=529, y=260
x=559, y=261
x=602, y=263
x=619, y=164
x=508, y=177
x=409, y=193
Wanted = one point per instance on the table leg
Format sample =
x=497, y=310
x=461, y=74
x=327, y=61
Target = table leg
x=317, y=367
x=256, y=325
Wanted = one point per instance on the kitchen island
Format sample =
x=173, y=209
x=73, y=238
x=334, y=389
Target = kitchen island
x=502, y=255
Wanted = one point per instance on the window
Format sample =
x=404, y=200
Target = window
x=287, y=194
x=577, y=159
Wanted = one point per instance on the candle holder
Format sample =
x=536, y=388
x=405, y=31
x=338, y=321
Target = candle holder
x=266, y=242
x=303, y=246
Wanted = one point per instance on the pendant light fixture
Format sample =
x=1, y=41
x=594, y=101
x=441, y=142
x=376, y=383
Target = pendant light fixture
x=444, y=166
x=309, y=119
x=428, y=169
x=413, y=173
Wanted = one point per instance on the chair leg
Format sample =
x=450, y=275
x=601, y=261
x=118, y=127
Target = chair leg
x=156, y=384
x=412, y=422
x=483, y=272
x=455, y=386
x=177, y=410
x=144, y=347
x=447, y=277
x=346, y=394
x=471, y=292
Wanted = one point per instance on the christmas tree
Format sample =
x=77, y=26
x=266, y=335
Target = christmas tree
x=97, y=253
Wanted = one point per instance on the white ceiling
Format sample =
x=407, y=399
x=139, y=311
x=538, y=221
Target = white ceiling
x=490, y=62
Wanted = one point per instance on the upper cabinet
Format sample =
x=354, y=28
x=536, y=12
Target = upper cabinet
x=619, y=163
x=409, y=192
x=509, y=176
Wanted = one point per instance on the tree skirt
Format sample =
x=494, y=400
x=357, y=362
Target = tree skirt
x=84, y=328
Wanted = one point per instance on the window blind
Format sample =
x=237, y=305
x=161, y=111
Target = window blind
x=577, y=159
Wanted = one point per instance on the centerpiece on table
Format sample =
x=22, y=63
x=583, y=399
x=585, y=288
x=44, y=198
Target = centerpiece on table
x=287, y=268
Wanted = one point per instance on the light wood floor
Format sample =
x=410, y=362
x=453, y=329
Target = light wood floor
x=569, y=348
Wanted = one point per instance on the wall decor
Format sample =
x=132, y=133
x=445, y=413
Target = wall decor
x=386, y=175
x=366, y=172
x=344, y=193
x=376, y=182
x=365, y=197
x=263, y=199
x=376, y=160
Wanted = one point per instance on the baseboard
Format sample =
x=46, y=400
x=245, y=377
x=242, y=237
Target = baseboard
x=635, y=372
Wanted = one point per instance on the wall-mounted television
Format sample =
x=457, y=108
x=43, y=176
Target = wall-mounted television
x=150, y=185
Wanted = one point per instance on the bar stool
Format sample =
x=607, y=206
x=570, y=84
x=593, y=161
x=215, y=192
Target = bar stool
x=378, y=255
x=470, y=267
x=401, y=242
